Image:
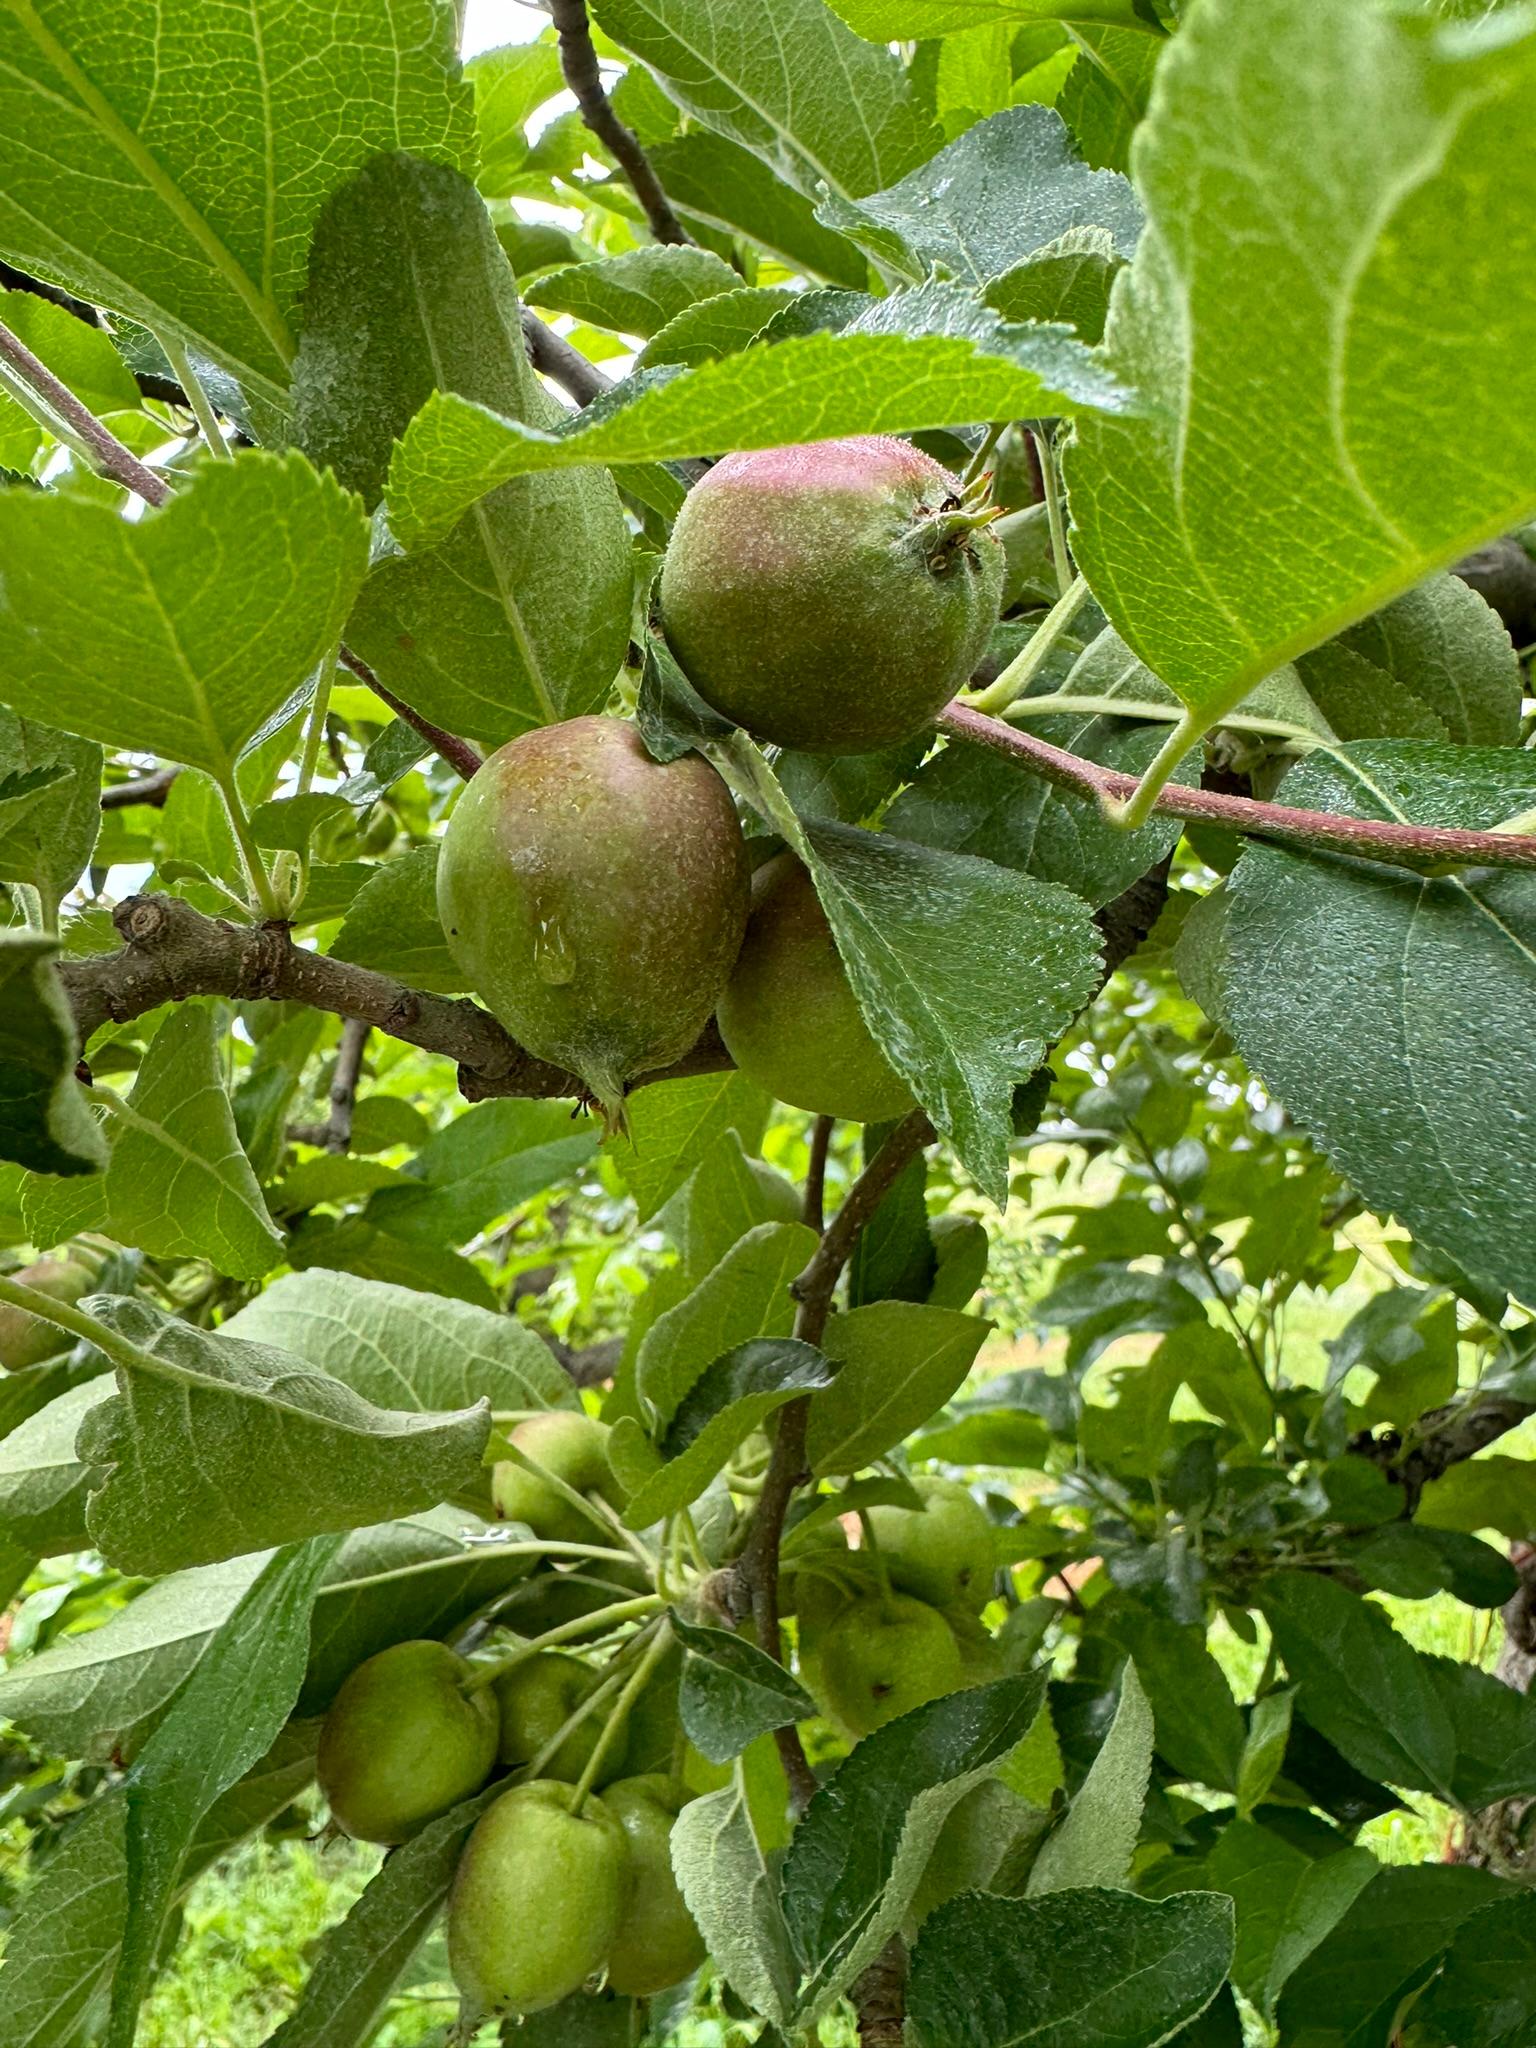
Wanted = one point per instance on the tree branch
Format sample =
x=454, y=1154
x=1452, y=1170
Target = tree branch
x=1413, y=846
x=118, y=462
x=172, y=951
x=811, y=1208
x=578, y=60
x=349, y=1065
x=1442, y=1438
x=756, y=1578
x=143, y=789
x=554, y=357
x=463, y=756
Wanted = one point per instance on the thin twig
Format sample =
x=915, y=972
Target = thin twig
x=757, y=1568
x=349, y=1064
x=578, y=60
x=554, y=357
x=143, y=789
x=463, y=756
x=816, y=1175
x=117, y=462
x=1378, y=839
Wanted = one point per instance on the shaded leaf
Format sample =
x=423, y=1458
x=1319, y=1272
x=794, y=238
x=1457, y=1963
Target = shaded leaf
x=44, y=1122
x=732, y=1692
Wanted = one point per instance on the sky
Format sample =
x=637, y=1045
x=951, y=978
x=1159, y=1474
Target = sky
x=490, y=22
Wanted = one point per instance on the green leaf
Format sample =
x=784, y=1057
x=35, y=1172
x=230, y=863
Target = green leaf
x=715, y=327
x=637, y=292
x=1436, y=664
x=813, y=101
x=675, y=1124
x=43, y=1485
x=392, y=925
x=964, y=971
x=995, y=196
x=479, y=1167
x=1419, y=995
x=1485, y=1997
x=50, y=810
x=521, y=616
x=885, y=21
x=233, y=1708
x=1493, y=1492
x=403, y=1349
x=44, y=1122
x=725, y=187
x=349, y=1244
x=732, y=1691
x=809, y=388
x=1275, y=314
x=511, y=84
x=179, y=1183
x=1349, y=1993
x=1199, y=1729
x=858, y=1854
x=1075, y=1966
x=1069, y=279
x=1269, y=1733
x=730, y=1893
x=732, y=1397
x=217, y=1446
x=78, y=354
x=98, y=1695
x=361, y=1962
x=1096, y=1840
x=1287, y=1901
x=745, y=1296
x=114, y=181
x=202, y=618
x=1415, y=1562
x=1105, y=94
x=1414, y=1720
x=62, y=1943
x=898, y=1361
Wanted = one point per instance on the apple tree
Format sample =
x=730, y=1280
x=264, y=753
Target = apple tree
x=621, y=714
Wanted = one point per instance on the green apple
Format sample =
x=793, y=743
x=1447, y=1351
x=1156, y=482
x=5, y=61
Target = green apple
x=537, y=1900
x=944, y=1552
x=404, y=1741
x=573, y=1447
x=657, y=1944
x=881, y=1658
x=537, y=1698
x=27, y=1339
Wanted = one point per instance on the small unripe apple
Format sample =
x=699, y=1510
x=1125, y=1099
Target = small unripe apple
x=831, y=597
x=26, y=1339
x=571, y=1446
x=537, y=1698
x=945, y=1552
x=789, y=1018
x=880, y=1658
x=657, y=1944
x=404, y=1741
x=537, y=1900
x=595, y=899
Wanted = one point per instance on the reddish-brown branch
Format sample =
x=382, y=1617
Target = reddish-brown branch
x=463, y=756
x=578, y=60
x=1377, y=839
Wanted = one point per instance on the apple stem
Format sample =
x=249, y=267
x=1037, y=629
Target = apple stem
x=617, y=1720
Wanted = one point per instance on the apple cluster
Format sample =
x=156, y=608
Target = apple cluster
x=830, y=598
